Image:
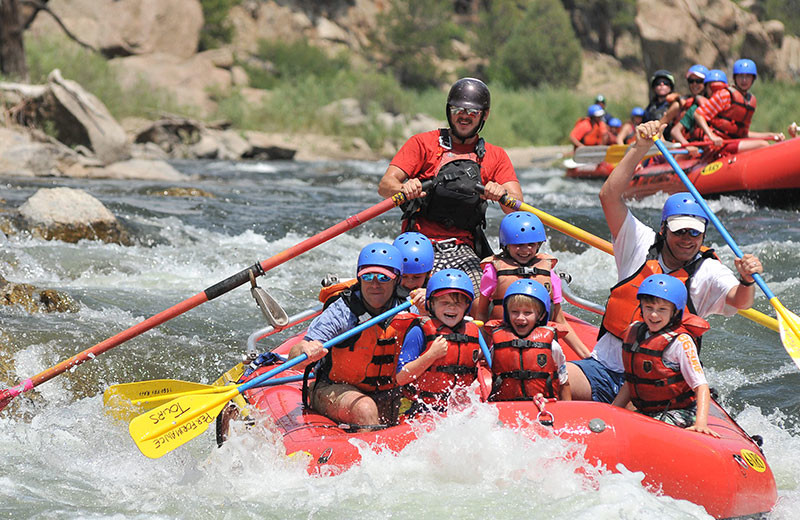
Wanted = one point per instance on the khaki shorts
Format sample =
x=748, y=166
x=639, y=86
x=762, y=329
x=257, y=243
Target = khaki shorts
x=327, y=398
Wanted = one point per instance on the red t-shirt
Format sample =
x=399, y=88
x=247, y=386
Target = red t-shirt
x=418, y=158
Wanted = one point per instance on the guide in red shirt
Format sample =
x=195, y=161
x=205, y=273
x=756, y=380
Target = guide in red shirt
x=452, y=214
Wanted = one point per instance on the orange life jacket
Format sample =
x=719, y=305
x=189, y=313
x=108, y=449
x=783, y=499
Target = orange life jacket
x=595, y=134
x=326, y=293
x=509, y=271
x=458, y=366
x=734, y=122
x=523, y=367
x=622, y=307
x=369, y=360
x=654, y=386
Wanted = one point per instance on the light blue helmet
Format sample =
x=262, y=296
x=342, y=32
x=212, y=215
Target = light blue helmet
x=454, y=279
x=381, y=254
x=716, y=75
x=637, y=112
x=521, y=227
x=745, y=66
x=697, y=70
x=614, y=122
x=682, y=203
x=666, y=287
x=530, y=288
x=417, y=252
x=595, y=111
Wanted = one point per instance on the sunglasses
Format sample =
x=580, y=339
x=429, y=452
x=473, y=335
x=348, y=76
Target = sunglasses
x=695, y=81
x=471, y=112
x=369, y=277
x=687, y=231
x=661, y=82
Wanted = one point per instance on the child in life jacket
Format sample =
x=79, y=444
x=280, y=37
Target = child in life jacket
x=526, y=359
x=521, y=238
x=440, y=354
x=663, y=375
x=417, y=252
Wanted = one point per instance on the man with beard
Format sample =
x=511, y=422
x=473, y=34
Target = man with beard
x=450, y=213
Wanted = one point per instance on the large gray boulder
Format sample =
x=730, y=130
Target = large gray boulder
x=127, y=27
x=676, y=34
x=70, y=215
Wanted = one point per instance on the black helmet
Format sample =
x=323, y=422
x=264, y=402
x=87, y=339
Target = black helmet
x=469, y=93
x=662, y=73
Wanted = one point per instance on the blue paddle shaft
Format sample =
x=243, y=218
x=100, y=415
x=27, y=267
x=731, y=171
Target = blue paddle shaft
x=711, y=216
x=485, y=349
x=331, y=342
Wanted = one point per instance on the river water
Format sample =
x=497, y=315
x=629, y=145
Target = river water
x=61, y=456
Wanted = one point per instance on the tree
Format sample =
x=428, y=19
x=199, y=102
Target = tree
x=12, y=50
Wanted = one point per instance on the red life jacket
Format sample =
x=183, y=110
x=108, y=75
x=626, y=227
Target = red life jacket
x=622, y=307
x=524, y=367
x=458, y=367
x=654, y=386
x=734, y=122
x=509, y=271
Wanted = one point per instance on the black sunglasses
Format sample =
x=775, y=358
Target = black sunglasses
x=695, y=81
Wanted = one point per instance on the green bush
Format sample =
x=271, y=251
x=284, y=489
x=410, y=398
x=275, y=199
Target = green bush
x=787, y=11
x=777, y=105
x=541, y=49
x=293, y=60
x=96, y=75
x=413, y=31
x=217, y=30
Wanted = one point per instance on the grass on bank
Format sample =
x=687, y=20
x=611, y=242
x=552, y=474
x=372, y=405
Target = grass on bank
x=519, y=117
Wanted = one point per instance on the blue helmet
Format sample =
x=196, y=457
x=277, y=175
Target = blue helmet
x=745, y=66
x=666, y=287
x=455, y=279
x=697, y=70
x=595, y=111
x=682, y=203
x=637, y=112
x=381, y=254
x=521, y=227
x=417, y=252
x=716, y=75
x=614, y=122
x=530, y=288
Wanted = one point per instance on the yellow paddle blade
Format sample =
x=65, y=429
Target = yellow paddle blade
x=126, y=400
x=175, y=423
x=760, y=318
x=789, y=325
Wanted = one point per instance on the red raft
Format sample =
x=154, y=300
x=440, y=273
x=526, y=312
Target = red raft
x=728, y=476
x=768, y=174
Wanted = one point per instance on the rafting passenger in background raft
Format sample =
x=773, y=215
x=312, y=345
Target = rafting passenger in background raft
x=452, y=214
x=677, y=249
x=663, y=375
x=355, y=382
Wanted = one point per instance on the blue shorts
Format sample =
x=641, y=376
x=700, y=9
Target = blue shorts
x=605, y=383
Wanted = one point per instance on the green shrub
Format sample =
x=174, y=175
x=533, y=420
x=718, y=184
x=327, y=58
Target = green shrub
x=541, y=49
x=217, y=30
x=291, y=61
x=413, y=31
x=777, y=105
x=787, y=11
x=96, y=75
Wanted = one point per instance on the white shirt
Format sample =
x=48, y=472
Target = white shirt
x=710, y=283
x=682, y=354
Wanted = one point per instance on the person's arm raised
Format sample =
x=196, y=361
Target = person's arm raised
x=614, y=207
